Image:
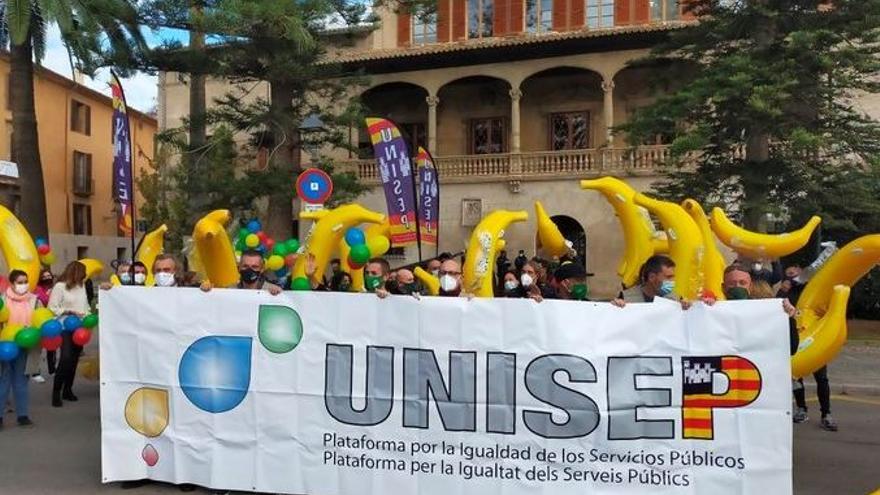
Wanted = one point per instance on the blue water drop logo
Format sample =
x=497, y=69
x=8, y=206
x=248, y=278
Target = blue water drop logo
x=215, y=372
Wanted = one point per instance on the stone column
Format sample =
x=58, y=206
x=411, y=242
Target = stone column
x=433, y=101
x=608, y=110
x=515, y=97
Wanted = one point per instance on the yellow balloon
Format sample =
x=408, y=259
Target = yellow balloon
x=152, y=245
x=378, y=245
x=8, y=333
x=552, y=240
x=252, y=240
x=146, y=411
x=756, y=245
x=432, y=285
x=214, y=249
x=479, y=264
x=94, y=268
x=275, y=262
x=4, y=313
x=41, y=315
x=18, y=247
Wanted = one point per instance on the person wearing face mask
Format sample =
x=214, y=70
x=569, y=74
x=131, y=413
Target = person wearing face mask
x=250, y=268
x=43, y=291
x=405, y=284
x=533, y=284
x=341, y=282
x=450, y=279
x=376, y=275
x=434, y=267
x=510, y=286
x=14, y=374
x=165, y=271
x=571, y=282
x=657, y=279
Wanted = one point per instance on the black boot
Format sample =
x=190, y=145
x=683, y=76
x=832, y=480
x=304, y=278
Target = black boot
x=68, y=396
x=56, y=399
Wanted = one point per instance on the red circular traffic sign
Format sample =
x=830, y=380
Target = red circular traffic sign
x=314, y=186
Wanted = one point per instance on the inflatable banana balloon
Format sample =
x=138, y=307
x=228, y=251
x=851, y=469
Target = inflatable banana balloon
x=18, y=247
x=845, y=267
x=685, y=244
x=377, y=247
x=759, y=246
x=329, y=229
x=713, y=262
x=430, y=282
x=479, y=264
x=152, y=245
x=94, y=268
x=215, y=249
x=822, y=338
x=637, y=235
x=552, y=240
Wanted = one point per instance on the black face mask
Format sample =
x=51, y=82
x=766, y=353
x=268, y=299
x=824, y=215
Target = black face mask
x=249, y=276
x=410, y=288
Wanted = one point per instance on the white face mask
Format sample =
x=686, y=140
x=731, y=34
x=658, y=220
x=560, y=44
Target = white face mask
x=448, y=283
x=510, y=285
x=140, y=278
x=21, y=289
x=435, y=273
x=758, y=267
x=526, y=280
x=164, y=279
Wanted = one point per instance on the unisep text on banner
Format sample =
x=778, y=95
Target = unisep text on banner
x=322, y=393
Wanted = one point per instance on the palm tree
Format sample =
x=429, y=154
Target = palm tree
x=96, y=33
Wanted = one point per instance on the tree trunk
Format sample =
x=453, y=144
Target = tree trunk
x=25, y=140
x=282, y=222
x=754, y=178
x=198, y=200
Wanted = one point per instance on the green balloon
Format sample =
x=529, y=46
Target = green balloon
x=292, y=245
x=27, y=337
x=2, y=303
x=90, y=321
x=280, y=249
x=360, y=254
x=243, y=232
x=301, y=283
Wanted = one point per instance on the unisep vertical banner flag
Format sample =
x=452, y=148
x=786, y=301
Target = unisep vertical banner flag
x=123, y=190
x=429, y=198
x=395, y=170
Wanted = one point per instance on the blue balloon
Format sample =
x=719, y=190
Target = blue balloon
x=51, y=328
x=40, y=241
x=72, y=322
x=8, y=351
x=282, y=272
x=254, y=226
x=215, y=372
x=354, y=237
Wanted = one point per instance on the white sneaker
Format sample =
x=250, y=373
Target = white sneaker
x=38, y=379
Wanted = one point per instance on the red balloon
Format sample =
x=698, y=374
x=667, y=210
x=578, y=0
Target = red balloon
x=353, y=265
x=262, y=235
x=270, y=244
x=44, y=249
x=81, y=336
x=51, y=343
x=289, y=260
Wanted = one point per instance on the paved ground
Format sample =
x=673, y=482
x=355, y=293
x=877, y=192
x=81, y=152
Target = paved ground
x=61, y=455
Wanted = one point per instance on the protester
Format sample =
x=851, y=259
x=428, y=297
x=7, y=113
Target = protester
x=510, y=285
x=502, y=266
x=251, y=269
x=571, y=282
x=68, y=298
x=656, y=279
x=792, y=285
x=434, y=267
x=738, y=285
x=450, y=279
x=405, y=284
x=43, y=290
x=377, y=272
x=165, y=271
x=534, y=285
x=520, y=260
x=14, y=374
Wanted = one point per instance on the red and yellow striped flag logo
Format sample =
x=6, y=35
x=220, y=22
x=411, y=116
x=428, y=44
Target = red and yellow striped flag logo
x=698, y=399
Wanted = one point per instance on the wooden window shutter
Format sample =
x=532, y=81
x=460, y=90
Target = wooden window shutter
x=459, y=20
x=500, y=19
x=576, y=14
x=643, y=12
x=443, y=12
x=560, y=9
x=622, y=13
x=404, y=27
x=517, y=11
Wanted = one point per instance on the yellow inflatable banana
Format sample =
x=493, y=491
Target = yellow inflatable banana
x=215, y=249
x=430, y=282
x=479, y=264
x=685, y=244
x=552, y=241
x=845, y=267
x=821, y=339
x=760, y=246
x=329, y=229
x=713, y=262
x=378, y=241
x=638, y=234
x=18, y=247
x=94, y=268
x=152, y=245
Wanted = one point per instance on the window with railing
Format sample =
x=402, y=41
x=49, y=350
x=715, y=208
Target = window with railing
x=424, y=29
x=664, y=10
x=488, y=136
x=569, y=131
x=480, y=16
x=600, y=13
x=539, y=16
x=82, y=173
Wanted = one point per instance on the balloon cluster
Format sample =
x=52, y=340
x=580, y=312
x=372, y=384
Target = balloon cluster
x=44, y=330
x=47, y=257
x=360, y=250
x=280, y=256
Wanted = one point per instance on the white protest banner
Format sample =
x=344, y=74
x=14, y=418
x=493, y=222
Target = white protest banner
x=325, y=394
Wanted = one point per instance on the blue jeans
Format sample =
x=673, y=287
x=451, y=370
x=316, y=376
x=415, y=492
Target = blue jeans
x=12, y=376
